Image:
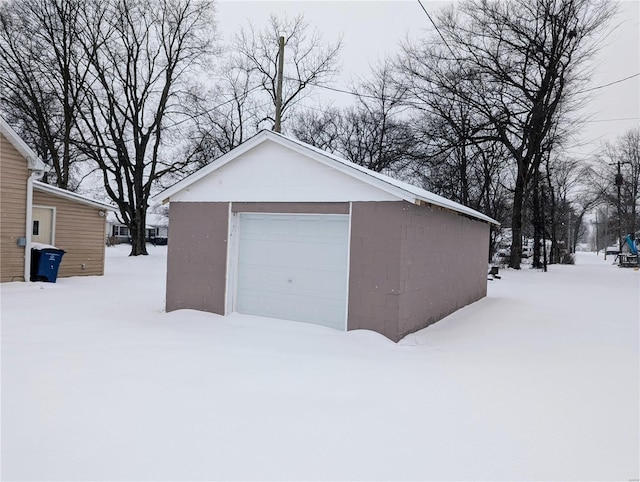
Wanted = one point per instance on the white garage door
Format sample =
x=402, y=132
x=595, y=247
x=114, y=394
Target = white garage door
x=293, y=267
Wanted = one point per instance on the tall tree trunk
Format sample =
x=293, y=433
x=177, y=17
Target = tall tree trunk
x=516, y=223
x=537, y=224
x=138, y=233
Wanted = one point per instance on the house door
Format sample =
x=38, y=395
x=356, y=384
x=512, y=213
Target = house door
x=43, y=223
x=294, y=267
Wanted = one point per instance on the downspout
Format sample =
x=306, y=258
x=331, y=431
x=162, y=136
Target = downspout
x=29, y=223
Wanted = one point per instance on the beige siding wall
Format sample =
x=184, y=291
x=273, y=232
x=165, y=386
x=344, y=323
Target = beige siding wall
x=374, y=274
x=443, y=265
x=80, y=231
x=197, y=256
x=13, y=207
x=412, y=266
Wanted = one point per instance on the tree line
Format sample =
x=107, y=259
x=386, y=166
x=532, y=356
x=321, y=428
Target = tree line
x=141, y=92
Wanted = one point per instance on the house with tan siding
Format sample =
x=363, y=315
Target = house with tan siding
x=31, y=211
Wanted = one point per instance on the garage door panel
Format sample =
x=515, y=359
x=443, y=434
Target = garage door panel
x=295, y=281
x=293, y=267
x=294, y=307
x=294, y=254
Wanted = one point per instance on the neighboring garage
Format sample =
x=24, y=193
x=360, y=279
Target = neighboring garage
x=278, y=228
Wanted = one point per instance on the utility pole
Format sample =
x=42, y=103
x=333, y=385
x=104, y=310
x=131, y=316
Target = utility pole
x=597, y=229
x=544, y=231
x=276, y=126
x=619, y=183
x=606, y=231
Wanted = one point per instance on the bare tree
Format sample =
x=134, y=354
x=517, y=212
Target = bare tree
x=628, y=155
x=43, y=74
x=308, y=60
x=517, y=65
x=373, y=133
x=141, y=53
x=322, y=128
x=617, y=169
x=224, y=114
x=566, y=201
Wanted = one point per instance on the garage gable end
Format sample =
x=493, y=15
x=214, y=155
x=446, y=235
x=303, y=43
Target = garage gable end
x=272, y=172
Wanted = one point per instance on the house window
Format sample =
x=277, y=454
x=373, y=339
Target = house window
x=36, y=228
x=120, y=231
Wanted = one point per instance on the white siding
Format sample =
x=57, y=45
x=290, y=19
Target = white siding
x=273, y=173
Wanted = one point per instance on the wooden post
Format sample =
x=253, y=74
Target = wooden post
x=276, y=126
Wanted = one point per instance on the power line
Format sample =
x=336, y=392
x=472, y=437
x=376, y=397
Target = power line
x=335, y=89
x=342, y=91
x=611, y=120
x=413, y=104
x=607, y=85
x=454, y=55
x=437, y=30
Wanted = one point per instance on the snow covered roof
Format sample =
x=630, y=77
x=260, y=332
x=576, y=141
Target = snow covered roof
x=403, y=190
x=33, y=160
x=72, y=196
x=154, y=220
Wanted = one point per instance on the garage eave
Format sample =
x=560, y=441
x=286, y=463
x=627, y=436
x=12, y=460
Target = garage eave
x=472, y=214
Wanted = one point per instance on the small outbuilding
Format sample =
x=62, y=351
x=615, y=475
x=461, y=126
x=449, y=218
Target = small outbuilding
x=281, y=229
x=34, y=212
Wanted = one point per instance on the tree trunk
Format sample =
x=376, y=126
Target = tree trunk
x=516, y=223
x=138, y=234
x=577, y=224
x=555, y=252
x=537, y=224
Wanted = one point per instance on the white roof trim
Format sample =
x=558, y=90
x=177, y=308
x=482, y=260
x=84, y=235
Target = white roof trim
x=392, y=186
x=56, y=191
x=34, y=163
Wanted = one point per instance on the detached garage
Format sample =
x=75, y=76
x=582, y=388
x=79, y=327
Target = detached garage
x=281, y=229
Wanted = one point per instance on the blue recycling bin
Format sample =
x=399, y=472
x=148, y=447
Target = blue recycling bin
x=45, y=263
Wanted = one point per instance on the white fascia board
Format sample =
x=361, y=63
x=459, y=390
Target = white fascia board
x=165, y=196
x=34, y=163
x=56, y=191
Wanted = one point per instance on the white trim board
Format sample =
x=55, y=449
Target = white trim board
x=71, y=196
x=54, y=214
x=34, y=163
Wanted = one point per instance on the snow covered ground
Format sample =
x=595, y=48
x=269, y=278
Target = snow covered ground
x=538, y=381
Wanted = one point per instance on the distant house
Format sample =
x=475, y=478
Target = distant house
x=31, y=211
x=279, y=228
x=156, y=230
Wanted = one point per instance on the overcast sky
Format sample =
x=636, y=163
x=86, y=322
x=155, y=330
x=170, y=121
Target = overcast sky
x=373, y=29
